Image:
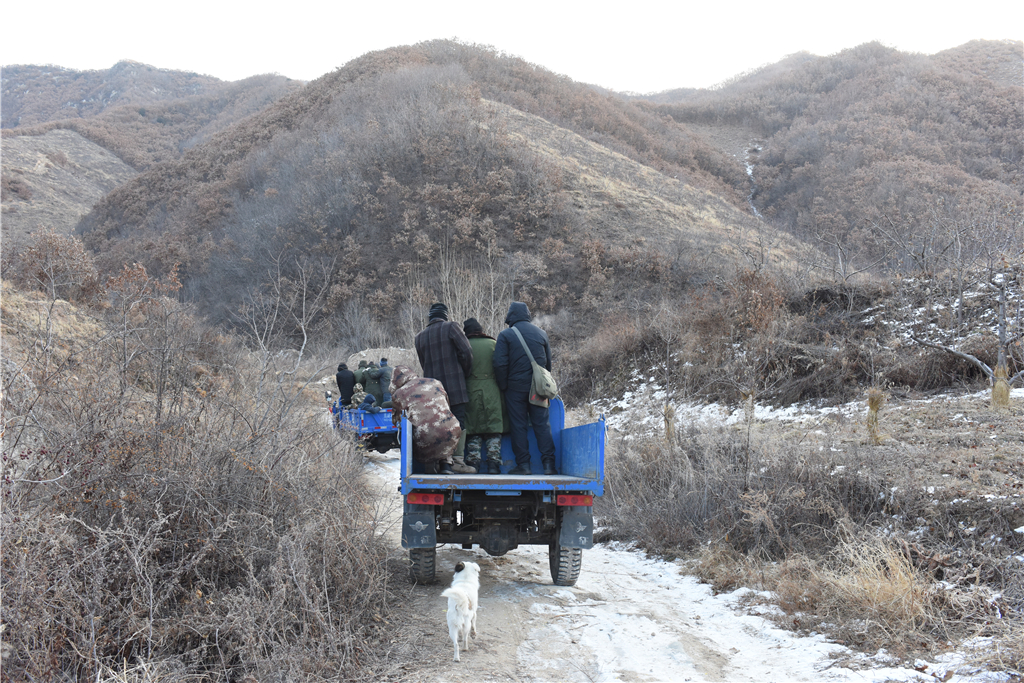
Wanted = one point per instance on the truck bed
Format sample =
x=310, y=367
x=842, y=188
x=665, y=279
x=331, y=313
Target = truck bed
x=536, y=482
x=579, y=459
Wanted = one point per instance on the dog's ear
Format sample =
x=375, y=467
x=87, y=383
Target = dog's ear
x=459, y=567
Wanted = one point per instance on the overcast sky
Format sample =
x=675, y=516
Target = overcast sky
x=635, y=46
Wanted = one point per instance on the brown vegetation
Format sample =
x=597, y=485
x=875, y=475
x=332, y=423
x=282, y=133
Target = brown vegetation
x=871, y=138
x=907, y=546
x=173, y=507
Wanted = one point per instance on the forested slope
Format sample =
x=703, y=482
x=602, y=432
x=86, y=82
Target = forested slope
x=872, y=151
x=403, y=174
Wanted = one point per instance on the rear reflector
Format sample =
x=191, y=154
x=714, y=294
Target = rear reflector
x=564, y=499
x=425, y=499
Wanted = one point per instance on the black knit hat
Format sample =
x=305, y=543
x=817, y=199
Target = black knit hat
x=342, y=366
x=438, y=311
x=472, y=326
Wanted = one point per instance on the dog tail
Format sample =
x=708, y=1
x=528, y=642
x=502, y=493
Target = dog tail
x=460, y=598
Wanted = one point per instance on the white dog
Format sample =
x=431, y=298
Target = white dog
x=462, y=603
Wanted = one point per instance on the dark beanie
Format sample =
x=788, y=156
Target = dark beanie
x=472, y=326
x=342, y=366
x=438, y=311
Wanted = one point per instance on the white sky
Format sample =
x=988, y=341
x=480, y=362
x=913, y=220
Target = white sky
x=638, y=46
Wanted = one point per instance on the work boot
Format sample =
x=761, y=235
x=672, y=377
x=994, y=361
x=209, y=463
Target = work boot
x=521, y=469
x=460, y=466
x=494, y=466
x=472, y=457
x=549, y=468
x=444, y=467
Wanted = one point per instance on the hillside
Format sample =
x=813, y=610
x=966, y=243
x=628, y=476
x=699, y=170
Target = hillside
x=869, y=151
x=399, y=146
x=151, y=122
x=51, y=180
x=37, y=94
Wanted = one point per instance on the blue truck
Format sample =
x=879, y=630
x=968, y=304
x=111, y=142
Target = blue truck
x=500, y=512
x=373, y=430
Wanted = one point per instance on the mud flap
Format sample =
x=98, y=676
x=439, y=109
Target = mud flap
x=418, y=527
x=577, y=527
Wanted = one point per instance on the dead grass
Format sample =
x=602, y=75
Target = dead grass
x=225, y=535
x=851, y=538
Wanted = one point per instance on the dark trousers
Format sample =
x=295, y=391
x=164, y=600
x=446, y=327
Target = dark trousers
x=520, y=414
x=459, y=410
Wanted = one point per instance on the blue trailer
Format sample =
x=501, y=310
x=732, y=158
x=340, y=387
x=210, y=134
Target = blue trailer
x=500, y=512
x=373, y=430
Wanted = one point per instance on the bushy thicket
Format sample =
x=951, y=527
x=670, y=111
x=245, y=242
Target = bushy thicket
x=755, y=334
x=173, y=504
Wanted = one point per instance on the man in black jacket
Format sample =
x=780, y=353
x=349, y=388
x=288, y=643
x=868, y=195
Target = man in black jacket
x=514, y=374
x=346, y=380
x=445, y=355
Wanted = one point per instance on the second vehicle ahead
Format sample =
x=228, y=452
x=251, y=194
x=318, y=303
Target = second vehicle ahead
x=373, y=430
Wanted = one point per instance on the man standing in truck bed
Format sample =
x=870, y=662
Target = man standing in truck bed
x=514, y=374
x=445, y=355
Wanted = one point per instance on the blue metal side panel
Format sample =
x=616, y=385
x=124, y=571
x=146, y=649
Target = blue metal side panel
x=405, y=441
x=583, y=451
x=362, y=422
x=579, y=459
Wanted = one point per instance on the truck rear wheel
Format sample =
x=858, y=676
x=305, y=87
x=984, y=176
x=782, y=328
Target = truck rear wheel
x=565, y=564
x=424, y=563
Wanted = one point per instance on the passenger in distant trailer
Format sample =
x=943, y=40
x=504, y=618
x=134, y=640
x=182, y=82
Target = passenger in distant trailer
x=346, y=380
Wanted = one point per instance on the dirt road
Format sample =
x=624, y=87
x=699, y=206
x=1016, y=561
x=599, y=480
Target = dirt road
x=628, y=618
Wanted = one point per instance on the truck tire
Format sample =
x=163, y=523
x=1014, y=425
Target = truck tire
x=565, y=564
x=424, y=562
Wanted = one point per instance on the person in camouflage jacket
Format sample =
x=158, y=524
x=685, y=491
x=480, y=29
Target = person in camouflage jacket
x=358, y=396
x=435, y=430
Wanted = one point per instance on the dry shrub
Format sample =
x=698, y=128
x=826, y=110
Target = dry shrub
x=224, y=533
x=876, y=397
x=873, y=588
x=58, y=265
x=753, y=492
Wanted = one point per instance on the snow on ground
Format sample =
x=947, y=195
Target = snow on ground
x=633, y=618
x=643, y=410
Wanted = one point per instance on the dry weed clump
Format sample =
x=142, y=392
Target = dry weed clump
x=876, y=397
x=874, y=590
x=750, y=491
x=826, y=531
x=221, y=534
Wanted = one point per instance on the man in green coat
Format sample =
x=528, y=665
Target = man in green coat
x=360, y=377
x=371, y=382
x=485, y=416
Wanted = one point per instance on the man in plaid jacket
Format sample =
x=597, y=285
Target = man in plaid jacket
x=446, y=355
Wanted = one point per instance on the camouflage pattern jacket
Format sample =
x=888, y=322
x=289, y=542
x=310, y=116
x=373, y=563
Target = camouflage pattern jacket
x=435, y=431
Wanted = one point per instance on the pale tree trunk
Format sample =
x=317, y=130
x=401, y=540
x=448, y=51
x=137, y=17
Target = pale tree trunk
x=999, y=376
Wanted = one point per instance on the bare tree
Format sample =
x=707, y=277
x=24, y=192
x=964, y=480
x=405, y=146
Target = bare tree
x=999, y=376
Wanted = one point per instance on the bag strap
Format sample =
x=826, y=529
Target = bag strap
x=526, y=348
